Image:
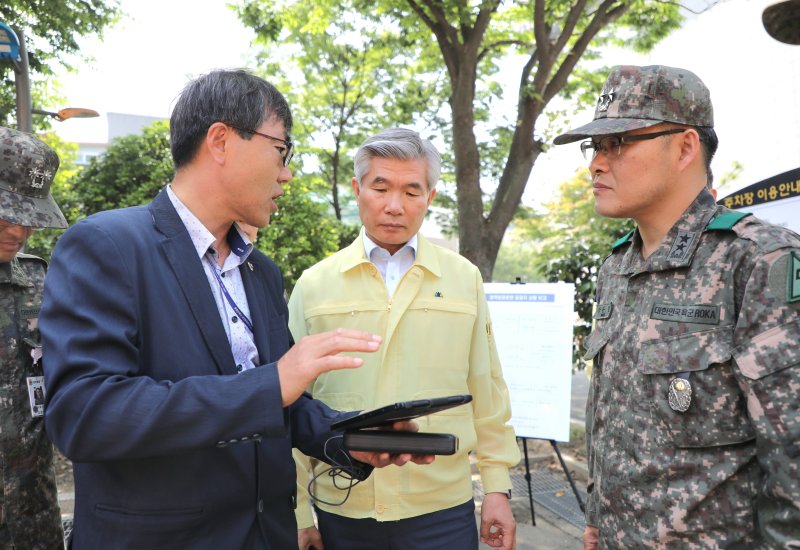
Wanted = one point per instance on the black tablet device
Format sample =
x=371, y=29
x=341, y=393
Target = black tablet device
x=404, y=410
x=394, y=442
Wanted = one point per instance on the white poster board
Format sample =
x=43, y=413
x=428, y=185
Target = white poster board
x=785, y=212
x=532, y=326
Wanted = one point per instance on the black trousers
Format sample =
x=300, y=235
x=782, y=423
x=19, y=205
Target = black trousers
x=452, y=528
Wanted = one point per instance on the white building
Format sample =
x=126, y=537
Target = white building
x=97, y=134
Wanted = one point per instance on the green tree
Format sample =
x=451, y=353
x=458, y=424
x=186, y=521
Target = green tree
x=517, y=258
x=571, y=242
x=131, y=172
x=51, y=29
x=542, y=41
x=345, y=78
x=302, y=232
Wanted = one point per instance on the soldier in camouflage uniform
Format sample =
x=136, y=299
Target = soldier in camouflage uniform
x=29, y=514
x=693, y=419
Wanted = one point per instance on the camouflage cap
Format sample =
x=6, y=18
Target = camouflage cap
x=781, y=20
x=27, y=168
x=639, y=97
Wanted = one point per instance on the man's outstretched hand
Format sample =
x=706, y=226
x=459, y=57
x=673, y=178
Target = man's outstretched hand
x=319, y=353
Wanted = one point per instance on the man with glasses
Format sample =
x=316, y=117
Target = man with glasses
x=29, y=514
x=171, y=382
x=693, y=420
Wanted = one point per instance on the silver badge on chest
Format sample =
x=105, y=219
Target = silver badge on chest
x=680, y=394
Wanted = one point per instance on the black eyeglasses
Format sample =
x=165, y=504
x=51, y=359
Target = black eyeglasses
x=612, y=145
x=286, y=152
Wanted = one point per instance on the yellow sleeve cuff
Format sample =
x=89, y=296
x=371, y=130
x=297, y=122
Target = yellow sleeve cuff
x=495, y=480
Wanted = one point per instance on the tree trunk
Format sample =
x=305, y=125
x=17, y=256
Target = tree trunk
x=480, y=235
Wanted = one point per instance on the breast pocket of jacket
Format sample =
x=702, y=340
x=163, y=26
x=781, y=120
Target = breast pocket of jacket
x=442, y=328
x=717, y=412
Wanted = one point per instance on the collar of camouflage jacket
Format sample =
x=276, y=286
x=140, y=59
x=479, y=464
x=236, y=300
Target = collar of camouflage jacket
x=678, y=247
x=13, y=273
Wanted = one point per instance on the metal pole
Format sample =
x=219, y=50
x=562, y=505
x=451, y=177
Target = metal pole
x=528, y=479
x=23, y=86
x=569, y=477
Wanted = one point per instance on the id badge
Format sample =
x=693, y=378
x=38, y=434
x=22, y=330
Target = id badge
x=36, y=395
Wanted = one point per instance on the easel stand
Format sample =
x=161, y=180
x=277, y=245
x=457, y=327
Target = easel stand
x=554, y=444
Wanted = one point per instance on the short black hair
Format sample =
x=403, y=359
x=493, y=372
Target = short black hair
x=710, y=142
x=234, y=96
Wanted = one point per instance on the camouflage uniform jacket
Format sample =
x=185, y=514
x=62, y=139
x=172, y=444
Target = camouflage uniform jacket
x=29, y=513
x=717, y=303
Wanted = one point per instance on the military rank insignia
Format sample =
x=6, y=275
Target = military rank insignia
x=793, y=283
x=682, y=245
x=679, y=395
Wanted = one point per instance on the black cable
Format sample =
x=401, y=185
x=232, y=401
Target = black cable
x=348, y=472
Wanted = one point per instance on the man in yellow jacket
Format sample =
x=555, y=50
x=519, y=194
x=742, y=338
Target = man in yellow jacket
x=429, y=306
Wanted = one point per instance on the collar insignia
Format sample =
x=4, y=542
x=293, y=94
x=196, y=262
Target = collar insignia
x=682, y=245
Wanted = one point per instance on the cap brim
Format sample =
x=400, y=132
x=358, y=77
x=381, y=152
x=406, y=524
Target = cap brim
x=605, y=126
x=31, y=211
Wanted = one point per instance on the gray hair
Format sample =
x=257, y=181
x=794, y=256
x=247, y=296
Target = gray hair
x=233, y=96
x=400, y=144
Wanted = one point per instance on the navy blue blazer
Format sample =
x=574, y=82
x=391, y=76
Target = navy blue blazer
x=171, y=447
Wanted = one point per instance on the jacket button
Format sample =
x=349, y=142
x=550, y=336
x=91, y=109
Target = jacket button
x=379, y=508
x=260, y=505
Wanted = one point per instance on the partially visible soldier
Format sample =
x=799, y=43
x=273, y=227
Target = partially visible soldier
x=693, y=418
x=29, y=513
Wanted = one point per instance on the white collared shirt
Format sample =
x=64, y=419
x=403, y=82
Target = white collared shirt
x=243, y=346
x=392, y=267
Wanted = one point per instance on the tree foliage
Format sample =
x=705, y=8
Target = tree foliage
x=344, y=76
x=131, y=172
x=571, y=242
x=302, y=232
x=464, y=47
x=51, y=29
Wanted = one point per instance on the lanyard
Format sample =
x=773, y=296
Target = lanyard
x=246, y=320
